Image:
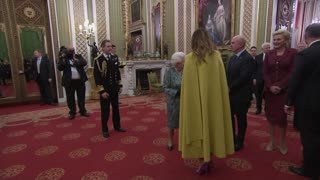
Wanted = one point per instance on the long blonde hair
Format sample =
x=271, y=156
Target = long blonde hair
x=202, y=44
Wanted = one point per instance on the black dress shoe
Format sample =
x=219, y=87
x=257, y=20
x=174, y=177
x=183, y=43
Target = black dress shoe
x=85, y=114
x=120, y=130
x=297, y=170
x=72, y=116
x=106, y=134
x=238, y=146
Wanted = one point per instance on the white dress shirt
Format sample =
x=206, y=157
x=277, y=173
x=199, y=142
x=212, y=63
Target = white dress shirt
x=38, y=64
x=74, y=72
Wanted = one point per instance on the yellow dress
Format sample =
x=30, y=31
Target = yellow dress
x=205, y=118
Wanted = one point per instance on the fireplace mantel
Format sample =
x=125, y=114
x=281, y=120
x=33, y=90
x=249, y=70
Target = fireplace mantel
x=129, y=80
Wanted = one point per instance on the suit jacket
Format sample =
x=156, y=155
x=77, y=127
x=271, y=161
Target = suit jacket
x=44, y=69
x=65, y=66
x=277, y=70
x=239, y=76
x=107, y=74
x=258, y=75
x=304, y=88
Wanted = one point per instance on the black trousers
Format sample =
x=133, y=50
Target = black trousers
x=239, y=112
x=71, y=89
x=45, y=91
x=105, y=110
x=258, y=94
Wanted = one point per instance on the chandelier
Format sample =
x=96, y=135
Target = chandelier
x=87, y=30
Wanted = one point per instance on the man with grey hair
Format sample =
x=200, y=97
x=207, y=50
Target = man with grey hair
x=239, y=76
x=303, y=94
x=258, y=76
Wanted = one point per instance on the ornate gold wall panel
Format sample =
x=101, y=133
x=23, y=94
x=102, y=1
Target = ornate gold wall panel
x=81, y=43
x=247, y=21
x=101, y=21
x=180, y=25
x=189, y=33
x=30, y=12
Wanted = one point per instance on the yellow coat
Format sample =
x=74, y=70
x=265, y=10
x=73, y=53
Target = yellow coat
x=205, y=117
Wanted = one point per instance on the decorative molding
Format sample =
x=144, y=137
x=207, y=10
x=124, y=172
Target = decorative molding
x=188, y=25
x=101, y=20
x=176, y=25
x=241, y=17
x=54, y=43
x=131, y=68
x=30, y=12
x=81, y=43
x=247, y=21
x=181, y=31
x=254, y=23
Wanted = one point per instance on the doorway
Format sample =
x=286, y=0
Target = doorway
x=24, y=27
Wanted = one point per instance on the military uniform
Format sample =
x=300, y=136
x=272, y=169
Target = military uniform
x=107, y=77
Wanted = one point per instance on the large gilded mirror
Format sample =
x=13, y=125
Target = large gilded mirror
x=144, y=26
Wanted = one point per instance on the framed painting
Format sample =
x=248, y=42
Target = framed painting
x=217, y=17
x=137, y=42
x=135, y=12
x=285, y=15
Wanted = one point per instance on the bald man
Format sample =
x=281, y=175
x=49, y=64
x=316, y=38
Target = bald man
x=239, y=75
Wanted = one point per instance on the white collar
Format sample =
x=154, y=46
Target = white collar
x=314, y=42
x=239, y=53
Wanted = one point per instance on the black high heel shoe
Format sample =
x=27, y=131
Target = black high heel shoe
x=170, y=148
x=204, y=168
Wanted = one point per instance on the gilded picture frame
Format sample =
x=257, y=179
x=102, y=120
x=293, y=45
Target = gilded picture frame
x=135, y=12
x=217, y=16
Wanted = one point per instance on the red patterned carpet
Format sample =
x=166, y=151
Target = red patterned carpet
x=43, y=144
x=8, y=90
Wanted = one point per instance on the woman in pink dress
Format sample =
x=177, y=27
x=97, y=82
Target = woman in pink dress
x=277, y=68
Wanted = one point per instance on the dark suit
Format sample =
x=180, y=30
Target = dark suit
x=303, y=93
x=258, y=76
x=239, y=75
x=107, y=77
x=73, y=85
x=42, y=78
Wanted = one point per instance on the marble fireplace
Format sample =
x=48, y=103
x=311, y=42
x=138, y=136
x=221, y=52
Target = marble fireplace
x=133, y=68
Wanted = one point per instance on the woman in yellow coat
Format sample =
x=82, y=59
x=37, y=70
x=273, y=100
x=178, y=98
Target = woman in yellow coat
x=205, y=118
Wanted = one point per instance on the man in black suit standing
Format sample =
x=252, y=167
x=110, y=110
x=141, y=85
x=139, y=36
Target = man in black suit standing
x=41, y=74
x=73, y=79
x=107, y=77
x=303, y=94
x=258, y=76
x=239, y=75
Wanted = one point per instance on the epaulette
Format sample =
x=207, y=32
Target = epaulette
x=96, y=58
